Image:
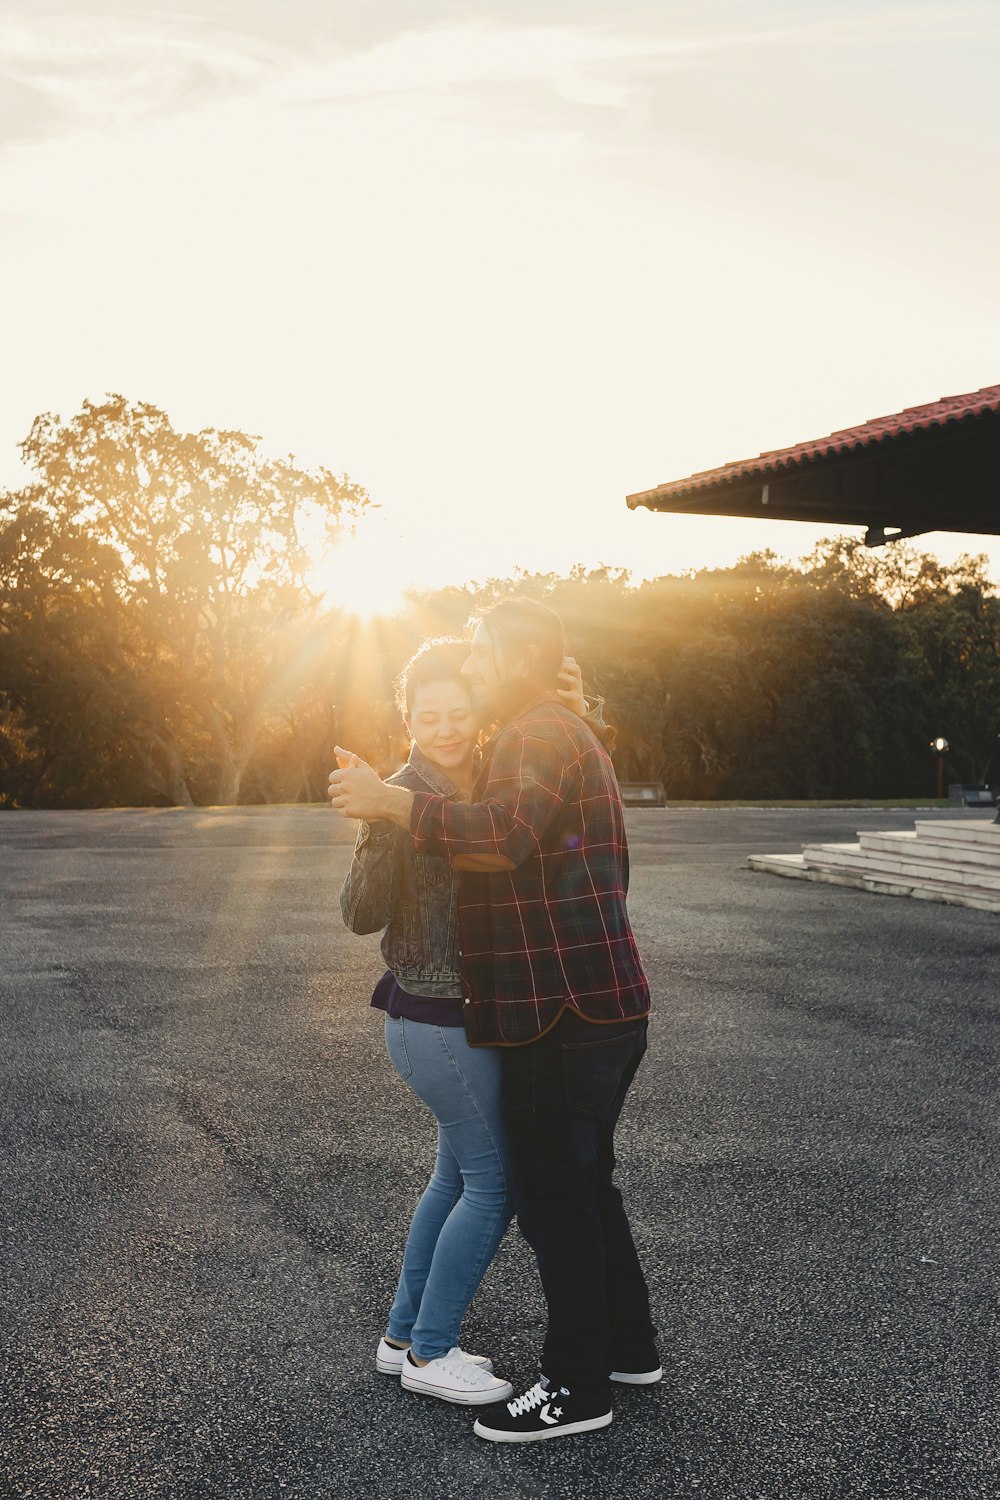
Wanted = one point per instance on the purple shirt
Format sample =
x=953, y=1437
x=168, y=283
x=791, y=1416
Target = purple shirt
x=430, y=1009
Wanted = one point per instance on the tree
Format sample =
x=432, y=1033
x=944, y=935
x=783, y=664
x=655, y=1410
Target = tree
x=159, y=641
x=186, y=553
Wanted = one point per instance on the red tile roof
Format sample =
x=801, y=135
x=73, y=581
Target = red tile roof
x=948, y=411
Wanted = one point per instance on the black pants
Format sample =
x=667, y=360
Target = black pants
x=562, y=1096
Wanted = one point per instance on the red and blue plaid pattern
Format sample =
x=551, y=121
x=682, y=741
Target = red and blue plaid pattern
x=553, y=931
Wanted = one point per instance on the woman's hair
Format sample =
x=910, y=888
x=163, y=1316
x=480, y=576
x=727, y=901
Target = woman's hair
x=439, y=660
x=515, y=624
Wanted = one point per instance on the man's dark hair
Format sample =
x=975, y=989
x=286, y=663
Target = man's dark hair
x=516, y=625
x=439, y=660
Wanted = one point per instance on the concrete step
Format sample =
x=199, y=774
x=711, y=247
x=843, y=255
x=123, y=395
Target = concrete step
x=780, y=864
x=932, y=890
x=908, y=861
x=983, y=832
x=910, y=847
x=950, y=861
x=920, y=887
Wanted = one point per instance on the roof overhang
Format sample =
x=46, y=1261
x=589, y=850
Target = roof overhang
x=930, y=468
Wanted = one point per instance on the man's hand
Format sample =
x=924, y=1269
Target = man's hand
x=356, y=792
x=570, y=689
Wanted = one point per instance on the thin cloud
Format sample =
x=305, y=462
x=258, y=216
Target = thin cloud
x=72, y=71
x=64, y=69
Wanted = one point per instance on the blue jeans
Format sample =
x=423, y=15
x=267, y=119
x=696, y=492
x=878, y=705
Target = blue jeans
x=465, y=1208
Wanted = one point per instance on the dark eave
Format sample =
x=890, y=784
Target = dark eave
x=929, y=468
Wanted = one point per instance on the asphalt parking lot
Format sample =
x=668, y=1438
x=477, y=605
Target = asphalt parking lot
x=207, y=1166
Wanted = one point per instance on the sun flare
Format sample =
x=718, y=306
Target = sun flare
x=366, y=573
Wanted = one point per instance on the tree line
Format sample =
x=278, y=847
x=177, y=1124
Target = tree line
x=160, y=643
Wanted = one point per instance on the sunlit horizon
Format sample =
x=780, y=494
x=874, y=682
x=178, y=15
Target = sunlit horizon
x=504, y=270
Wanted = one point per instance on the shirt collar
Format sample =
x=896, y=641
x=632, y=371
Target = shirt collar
x=548, y=696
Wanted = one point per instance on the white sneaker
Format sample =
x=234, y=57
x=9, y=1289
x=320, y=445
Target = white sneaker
x=454, y=1377
x=389, y=1361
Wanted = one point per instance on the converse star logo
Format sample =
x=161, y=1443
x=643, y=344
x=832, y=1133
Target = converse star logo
x=544, y=1414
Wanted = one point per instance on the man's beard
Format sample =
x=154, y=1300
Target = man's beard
x=501, y=704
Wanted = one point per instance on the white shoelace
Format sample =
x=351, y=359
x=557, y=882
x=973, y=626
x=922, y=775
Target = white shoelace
x=457, y=1364
x=521, y=1405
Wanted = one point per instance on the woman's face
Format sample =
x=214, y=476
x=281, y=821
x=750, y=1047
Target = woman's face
x=442, y=724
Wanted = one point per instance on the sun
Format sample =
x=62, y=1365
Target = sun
x=367, y=572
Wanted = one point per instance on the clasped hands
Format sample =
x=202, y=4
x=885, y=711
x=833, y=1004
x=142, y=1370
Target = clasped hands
x=356, y=791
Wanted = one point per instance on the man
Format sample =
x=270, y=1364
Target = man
x=553, y=977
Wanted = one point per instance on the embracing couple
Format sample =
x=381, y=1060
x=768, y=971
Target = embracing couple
x=515, y=1007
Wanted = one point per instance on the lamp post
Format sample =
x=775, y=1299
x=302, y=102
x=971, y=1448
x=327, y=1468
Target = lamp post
x=940, y=747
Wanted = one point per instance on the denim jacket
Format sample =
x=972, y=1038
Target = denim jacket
x=411, y=895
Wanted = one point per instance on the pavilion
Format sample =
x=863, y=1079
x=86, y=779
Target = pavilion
x=928, y=468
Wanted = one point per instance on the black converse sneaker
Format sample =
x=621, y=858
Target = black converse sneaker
x=542, y=1412
x=639, y=1365
x=644, y=1375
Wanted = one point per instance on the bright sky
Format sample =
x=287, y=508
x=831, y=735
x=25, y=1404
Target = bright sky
x=503, y=262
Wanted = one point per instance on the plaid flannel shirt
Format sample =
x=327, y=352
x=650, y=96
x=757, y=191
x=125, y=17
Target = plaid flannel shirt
x=553, y=932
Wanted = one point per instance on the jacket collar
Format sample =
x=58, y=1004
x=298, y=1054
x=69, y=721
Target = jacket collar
x=439, y=781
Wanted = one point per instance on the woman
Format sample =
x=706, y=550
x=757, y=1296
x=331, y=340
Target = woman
x=465, y=1208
